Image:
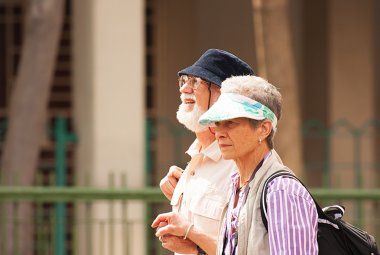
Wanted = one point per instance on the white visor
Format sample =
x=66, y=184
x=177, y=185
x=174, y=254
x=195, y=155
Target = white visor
x=231, y=106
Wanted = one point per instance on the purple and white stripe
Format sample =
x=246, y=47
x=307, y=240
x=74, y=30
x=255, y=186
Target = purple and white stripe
x=292, y=218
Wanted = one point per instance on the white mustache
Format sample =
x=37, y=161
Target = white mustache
x=188, y=96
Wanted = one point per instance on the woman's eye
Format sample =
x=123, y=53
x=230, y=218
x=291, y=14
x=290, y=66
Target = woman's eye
x=230, y=123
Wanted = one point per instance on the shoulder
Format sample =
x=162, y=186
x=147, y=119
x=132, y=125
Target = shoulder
x=292, y=217
x=288, y=186
x=218, y=169
x=285, y=197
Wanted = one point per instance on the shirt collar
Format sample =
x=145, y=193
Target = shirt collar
x=235, y=176
x=212, y=151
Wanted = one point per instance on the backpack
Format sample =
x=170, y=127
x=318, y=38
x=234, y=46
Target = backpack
x=335, y=236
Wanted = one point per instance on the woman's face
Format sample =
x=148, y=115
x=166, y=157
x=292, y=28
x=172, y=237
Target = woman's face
x=237, y=137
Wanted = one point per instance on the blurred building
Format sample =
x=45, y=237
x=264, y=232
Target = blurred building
x=116, y=72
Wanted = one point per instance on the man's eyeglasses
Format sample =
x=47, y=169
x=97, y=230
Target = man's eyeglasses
x=192, y=81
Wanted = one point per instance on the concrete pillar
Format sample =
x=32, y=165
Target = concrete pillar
x=279, y=66
x=314, y=86
x=351, y=80
x=109, y=118
x=352, y=95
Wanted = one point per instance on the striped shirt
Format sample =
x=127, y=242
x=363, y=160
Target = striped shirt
x=292, y=218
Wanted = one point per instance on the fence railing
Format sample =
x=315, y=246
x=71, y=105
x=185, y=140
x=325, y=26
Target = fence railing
x=113, y=230
x=72, y=194
x=46, y=221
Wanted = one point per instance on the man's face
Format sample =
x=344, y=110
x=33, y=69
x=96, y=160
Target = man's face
x=194, y=96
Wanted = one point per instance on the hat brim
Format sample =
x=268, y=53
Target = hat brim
x=226, y=109
x=202, y=73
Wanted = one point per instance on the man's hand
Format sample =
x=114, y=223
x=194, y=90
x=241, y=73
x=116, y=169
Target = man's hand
x=170, y=224
x=169, y=182
x=171, y=227
x=178, y=244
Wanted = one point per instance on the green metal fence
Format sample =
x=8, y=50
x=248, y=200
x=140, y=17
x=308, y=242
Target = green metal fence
x=62, y=137
x=344, y=130
x=81, y=204
x=87, y=197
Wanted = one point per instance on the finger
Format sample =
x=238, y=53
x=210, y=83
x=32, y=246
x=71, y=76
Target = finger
x=161, y=217
x=172, y=181
x=167, y=190
x=163, y=181
x=166, y=238
x=171, y=184
x=172, y=239
x=157, y=221
x=163, y=231
x=161, y=224
x=168, y=230
x=177, y=244
x=167, y=246
x=175, y=171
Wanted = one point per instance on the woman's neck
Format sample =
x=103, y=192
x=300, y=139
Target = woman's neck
x=248, y=163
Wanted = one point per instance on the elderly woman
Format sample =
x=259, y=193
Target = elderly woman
x=245, y=120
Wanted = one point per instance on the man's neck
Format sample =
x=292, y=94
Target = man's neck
x=205, y=138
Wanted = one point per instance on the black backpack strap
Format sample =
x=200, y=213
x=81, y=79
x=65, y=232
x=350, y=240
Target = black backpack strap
x=263, y=200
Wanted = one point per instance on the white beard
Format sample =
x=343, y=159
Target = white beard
x=190, y=119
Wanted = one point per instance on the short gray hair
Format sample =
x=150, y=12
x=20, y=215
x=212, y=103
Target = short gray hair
x=259, y=90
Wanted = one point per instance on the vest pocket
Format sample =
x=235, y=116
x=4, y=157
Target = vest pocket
x=207, y=213
x=206, y=205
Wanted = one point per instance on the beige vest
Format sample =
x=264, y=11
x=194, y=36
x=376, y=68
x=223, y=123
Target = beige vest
x=252, y=235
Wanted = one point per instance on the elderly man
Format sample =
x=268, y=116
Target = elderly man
x=199, y=192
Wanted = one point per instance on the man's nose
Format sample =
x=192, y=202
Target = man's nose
x=186, y=88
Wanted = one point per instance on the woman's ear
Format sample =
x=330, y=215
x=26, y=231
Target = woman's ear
x=266, y=128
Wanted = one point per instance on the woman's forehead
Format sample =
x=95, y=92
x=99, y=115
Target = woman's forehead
x=239, y=119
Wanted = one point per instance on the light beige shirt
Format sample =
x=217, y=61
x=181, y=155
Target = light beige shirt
x=203, y=189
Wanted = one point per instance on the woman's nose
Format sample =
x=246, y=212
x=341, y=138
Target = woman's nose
x=218, y=132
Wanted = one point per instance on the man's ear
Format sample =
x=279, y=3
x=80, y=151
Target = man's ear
x=215, y=94
x=266, y=128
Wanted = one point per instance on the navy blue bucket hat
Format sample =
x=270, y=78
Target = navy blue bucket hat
x=217, y=65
